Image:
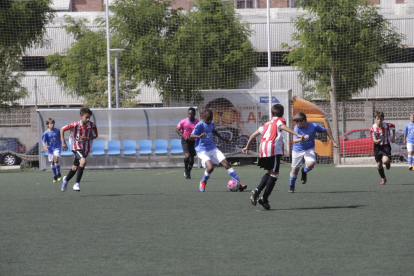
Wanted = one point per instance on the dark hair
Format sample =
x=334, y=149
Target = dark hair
x=85, y=110
x=278, y=110
x=207, y=112
x=379, y=114
x=300, y=117
x=192, y=109
x=49, y=120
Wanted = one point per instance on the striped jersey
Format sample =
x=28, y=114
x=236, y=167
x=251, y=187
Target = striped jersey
x=78, y=130
x=382, y=133
x=272, y=139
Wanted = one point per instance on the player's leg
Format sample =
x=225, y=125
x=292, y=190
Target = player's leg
x=310, y=161
x=79, y=173
x=56, y=154
x=271, y=182
x=186, y=164
x=71, y=173
x=255, y=193
x=378, y=158
x=209, y=168
x=297, y=158
x=386, y=158
x=53, y=166
x=192, y=151
x=219, y=156
x=410, y=150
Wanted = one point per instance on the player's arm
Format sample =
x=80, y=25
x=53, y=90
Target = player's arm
x=45, y=147
x=251, y=139
x=332, y=139
x=291, y=131
x=405, y=138
x=374, y=138
x=197, y=132
x=62, y=137
x=180, y=134
x=393, y=136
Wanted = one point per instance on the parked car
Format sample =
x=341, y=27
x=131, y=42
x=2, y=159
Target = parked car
x=359, y=142
x=31, y=158
x=8, y=148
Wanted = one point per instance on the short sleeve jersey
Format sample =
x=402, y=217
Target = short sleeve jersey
x=409, y=131
x=187, y=127
x=311, y=130
x=272, y=139
x=382, y=133
x=206, y=142
x=78, y=130
x=52, y=139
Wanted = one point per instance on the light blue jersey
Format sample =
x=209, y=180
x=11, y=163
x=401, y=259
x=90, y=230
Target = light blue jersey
x=409, y=131
x=205, y=143
x=52, y=139
x=311, y=130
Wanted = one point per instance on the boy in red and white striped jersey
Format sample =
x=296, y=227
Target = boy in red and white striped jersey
x=381, y=136
x=271, y=149
x=81, y=136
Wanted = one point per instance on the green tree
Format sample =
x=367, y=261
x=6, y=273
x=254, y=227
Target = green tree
x=22, y=25
x=82, y=71
x=342, y=45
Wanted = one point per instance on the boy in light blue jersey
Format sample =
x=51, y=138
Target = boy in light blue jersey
x=208, y=152
x=52, y=144
x=304, y=149
x=409, y=140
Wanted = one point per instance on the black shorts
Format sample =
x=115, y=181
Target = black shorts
x=78, y=155
x=271, y=163
x=188, y=147
x=382, y=150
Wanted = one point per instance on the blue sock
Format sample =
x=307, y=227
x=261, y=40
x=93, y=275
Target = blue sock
x=53, y=170
x=206, y=176
x=293, y=179
x=306, y=169
x=58, y=168
x=410, y=159
x=233, y=174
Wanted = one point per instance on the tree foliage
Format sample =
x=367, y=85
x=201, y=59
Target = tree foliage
x=22, y=25
x=177, y=52
x=347, y=37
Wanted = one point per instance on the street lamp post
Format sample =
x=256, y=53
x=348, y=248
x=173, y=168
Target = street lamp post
x=116, y=51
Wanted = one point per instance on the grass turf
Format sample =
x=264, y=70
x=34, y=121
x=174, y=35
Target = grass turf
x=155, y=222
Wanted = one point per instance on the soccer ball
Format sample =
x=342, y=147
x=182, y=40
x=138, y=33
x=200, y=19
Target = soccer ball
x=233, y=185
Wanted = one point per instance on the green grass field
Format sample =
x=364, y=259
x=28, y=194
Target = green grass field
x=155, y=222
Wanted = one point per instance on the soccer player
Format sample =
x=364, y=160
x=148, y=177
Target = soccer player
x=380, y=134
x=52, y=145
x=305, y=149
x=81, y=136
x=409, y=139
x=208, y=152
x=271, y=149
x=184, y=129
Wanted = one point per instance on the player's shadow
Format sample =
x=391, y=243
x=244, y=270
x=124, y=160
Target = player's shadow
x=326, y=207
x=109, y=195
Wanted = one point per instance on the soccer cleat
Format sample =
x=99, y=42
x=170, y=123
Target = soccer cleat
x=242, y=187
x=253, y=196
x=186, y=174
x=202, y=187
x=264, y=204
x=55, y=179
x=76, y=187
x=410, y=167
x=304, y=177
x=64, y=184
x=383, y=181
x=388, y=166
x=291, y=189
x=59, y=177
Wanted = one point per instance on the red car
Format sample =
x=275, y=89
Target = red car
x=357, y=142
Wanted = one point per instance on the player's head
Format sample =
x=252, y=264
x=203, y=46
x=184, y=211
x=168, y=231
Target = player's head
x=278, y=110
x=379, y=117
x=208, y=116
x=85, y=110
x=191, y=113
x=50, y=123
x=85, y=114
x=300, y=117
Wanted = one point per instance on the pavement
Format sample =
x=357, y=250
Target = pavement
x=9, y=167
